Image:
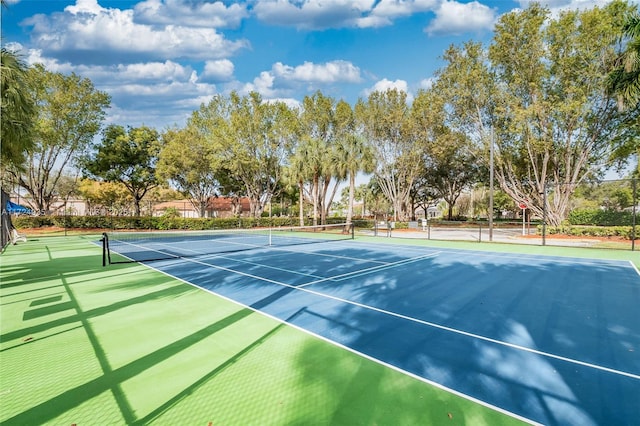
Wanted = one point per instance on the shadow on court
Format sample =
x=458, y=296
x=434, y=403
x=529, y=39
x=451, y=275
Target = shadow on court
x=545, y=338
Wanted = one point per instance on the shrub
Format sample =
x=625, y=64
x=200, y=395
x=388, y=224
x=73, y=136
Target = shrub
x=601, y=217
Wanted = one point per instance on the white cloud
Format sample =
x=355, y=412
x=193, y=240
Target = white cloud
x=312, y=13
x=220, y=70
x=189, y=13
x=392, y=9
x=453, y=17
x=426, y=83
x=262, y=84
x=153, y=93
x=282, y=79
x=384, y=85
x=85, y=31
x=329, y=72
x=154, y=71
x=321, y=14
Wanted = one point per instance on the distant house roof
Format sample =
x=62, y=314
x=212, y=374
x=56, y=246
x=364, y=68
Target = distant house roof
x=226, y=203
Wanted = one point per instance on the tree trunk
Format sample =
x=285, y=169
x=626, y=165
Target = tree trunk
x=352, y=190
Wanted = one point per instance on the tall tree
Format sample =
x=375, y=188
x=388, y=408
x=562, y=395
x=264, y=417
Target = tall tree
x=624, y=84
x=318, y=127
x=624, y=80
x=129, y=157
x=17, y=111
x=557, y=122
x=254, y=139
x=69, y=114
x=189, y=163
x=540, y=92
x=448, y=156
x=352, y=154
x=384, y=120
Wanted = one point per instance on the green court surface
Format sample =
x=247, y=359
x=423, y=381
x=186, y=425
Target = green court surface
x=86, y=345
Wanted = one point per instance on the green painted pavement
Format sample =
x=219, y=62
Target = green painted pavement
x=86, y=345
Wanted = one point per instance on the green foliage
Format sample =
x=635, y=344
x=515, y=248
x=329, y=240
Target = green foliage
x=156, y=223
x=129, y=157
x=195, y=170
x=601, y=217
x=170, y=213
x=624, y=232
x=69, y=113
x=16, y=110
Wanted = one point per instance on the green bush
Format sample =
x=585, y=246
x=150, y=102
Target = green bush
x=598, y=217
x=592, y=231
x=160, y=223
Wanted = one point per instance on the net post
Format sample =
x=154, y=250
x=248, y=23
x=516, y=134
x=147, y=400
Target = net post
x=353, y=231
x=105, y=249
x=270, y=239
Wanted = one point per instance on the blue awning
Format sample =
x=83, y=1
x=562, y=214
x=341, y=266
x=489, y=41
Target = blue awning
x=13, y=208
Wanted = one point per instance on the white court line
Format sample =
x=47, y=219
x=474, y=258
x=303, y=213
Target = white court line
x=372, y=269
x=206, y=255
x=431, y=324
x=634, y=267
x=501, y=255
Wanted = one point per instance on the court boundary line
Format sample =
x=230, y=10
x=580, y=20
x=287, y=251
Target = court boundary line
x=555, y=257
x=430, y=324
x=408, y=318
x=347, y=348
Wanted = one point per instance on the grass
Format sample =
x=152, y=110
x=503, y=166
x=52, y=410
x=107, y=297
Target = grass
x=83, y=344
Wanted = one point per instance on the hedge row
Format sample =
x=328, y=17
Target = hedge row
x=594, y=231
x=597, y=217
x=159, y=223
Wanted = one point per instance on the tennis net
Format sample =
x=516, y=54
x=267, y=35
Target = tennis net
x=148, y=246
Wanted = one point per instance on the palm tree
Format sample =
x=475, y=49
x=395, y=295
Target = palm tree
x=351, y=153
x=298, y=174
x=17, y=109
x=624, y=80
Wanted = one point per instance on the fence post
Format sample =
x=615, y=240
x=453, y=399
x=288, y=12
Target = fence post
x=634, y=212
x=544, y=214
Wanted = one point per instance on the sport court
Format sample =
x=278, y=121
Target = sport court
x=550, y=340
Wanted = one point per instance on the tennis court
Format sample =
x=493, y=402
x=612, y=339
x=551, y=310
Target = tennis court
x=310, y=331
x=547, y=339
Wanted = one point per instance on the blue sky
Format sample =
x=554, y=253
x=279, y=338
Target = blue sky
x=160, y=59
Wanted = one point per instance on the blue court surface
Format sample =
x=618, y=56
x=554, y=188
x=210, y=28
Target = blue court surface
x=551, y=340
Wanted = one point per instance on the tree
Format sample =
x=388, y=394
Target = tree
x=103, y=197
x=69, y=113
x=540, y=92
x=254, y=139
x=624, y=80
x=384, y=121
x=557, y=122
x=188, y=161
x=352, y=155
x=448, y=155
x=17, y=110
x=624, y=84
x=129, y=157
x=316, y=153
